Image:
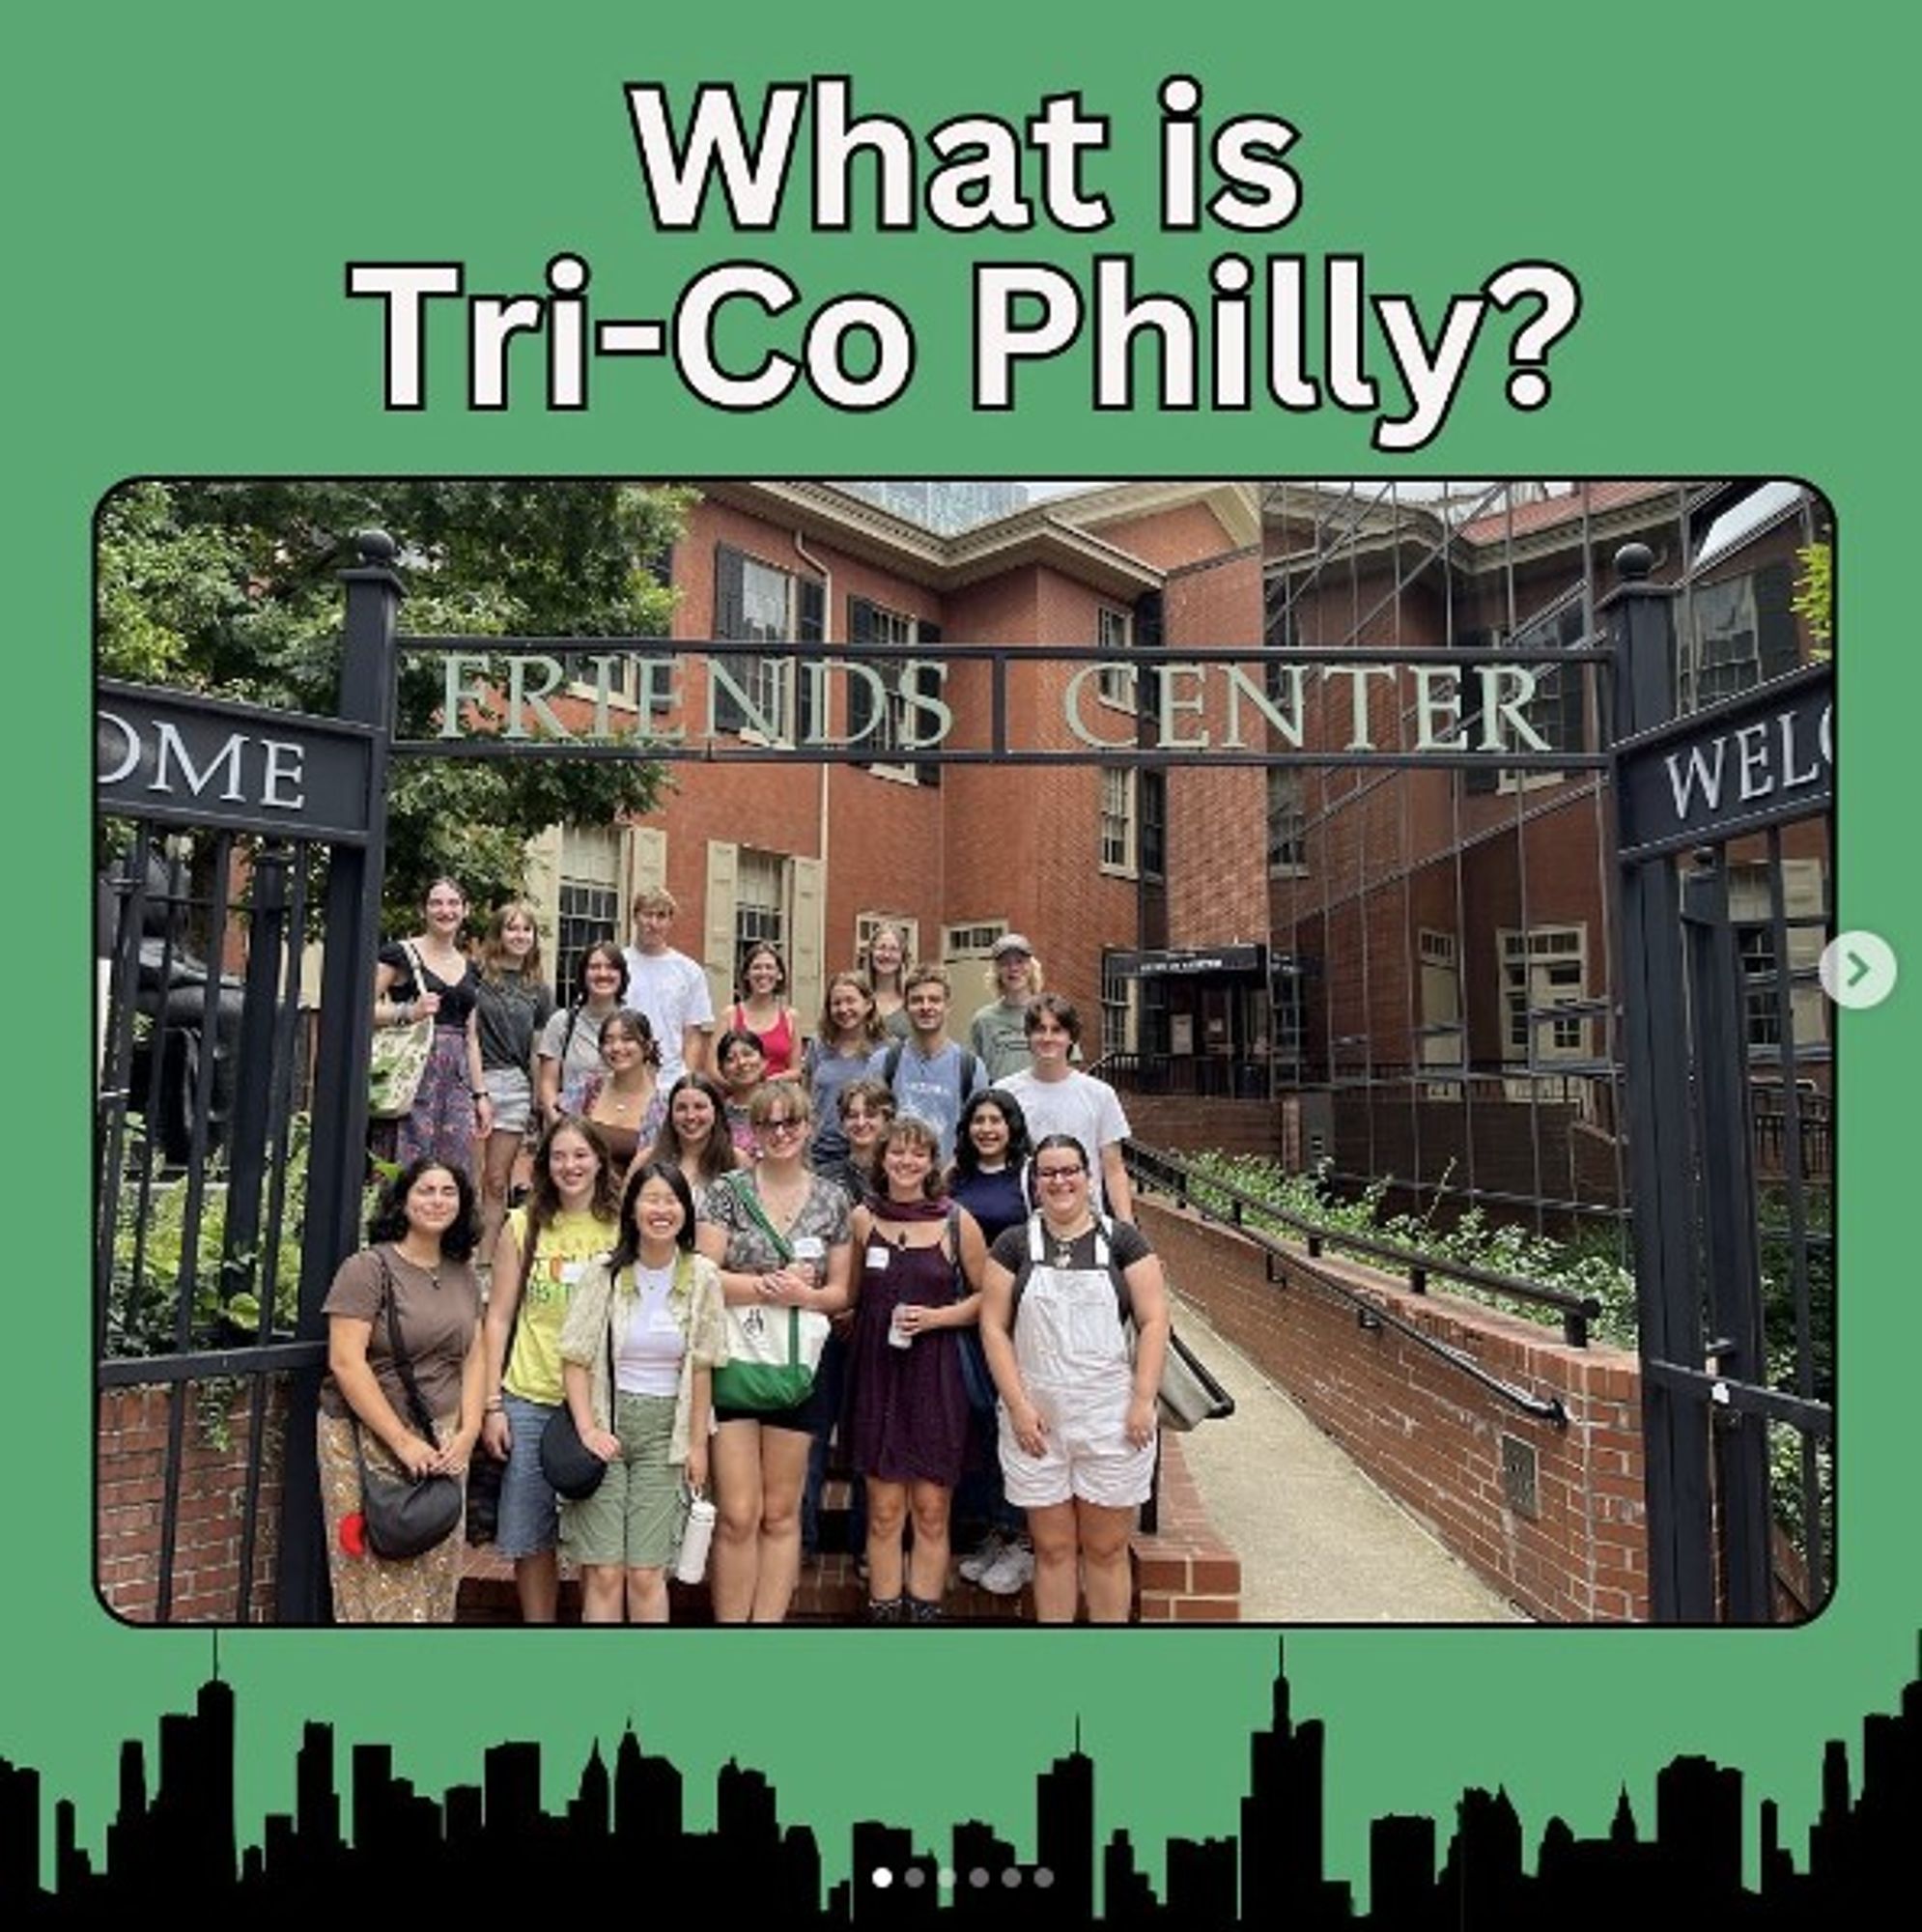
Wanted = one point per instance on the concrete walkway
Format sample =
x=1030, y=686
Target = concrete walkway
x=1319, y=1541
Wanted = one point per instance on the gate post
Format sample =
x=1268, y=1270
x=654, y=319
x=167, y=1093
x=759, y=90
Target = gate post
x=337, y=1159
x=1661, y=1164
x=1731, y=1263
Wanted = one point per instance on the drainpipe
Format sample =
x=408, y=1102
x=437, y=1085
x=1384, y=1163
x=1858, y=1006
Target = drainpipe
x=826, y=578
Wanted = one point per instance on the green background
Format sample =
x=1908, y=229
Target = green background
x=186, y=186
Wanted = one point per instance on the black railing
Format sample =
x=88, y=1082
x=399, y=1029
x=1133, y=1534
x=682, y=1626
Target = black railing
x=1222, y=1201
x=1159, y=1172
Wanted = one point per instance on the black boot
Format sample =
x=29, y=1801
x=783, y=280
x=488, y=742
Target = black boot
x=921, y=1612
x=887, y=1609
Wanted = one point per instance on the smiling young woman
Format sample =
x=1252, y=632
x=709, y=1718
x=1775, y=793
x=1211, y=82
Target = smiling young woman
x=428, y=975
x=545, y=1248
x=415, y=1264
x=644, y=1332
x=907, y=1407
x=779, y=1236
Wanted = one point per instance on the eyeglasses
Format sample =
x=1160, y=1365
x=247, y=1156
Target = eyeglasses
x=1044, y=1175
x=787, y=1125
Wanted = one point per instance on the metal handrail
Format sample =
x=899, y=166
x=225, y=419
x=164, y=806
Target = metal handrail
x=1158, y=1168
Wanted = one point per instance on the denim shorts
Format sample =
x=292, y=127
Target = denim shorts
x=529, y=1509
x=513, y=1096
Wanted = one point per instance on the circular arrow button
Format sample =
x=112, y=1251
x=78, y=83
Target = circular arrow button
x=1858, y=970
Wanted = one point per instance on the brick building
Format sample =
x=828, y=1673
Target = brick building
x=1441, y=941
x=1079, y=857
x=1405, y=970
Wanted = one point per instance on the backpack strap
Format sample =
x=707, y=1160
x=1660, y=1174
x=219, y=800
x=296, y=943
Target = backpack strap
x=891, y=1066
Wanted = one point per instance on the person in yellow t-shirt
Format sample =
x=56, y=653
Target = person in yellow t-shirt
x=571, y=1218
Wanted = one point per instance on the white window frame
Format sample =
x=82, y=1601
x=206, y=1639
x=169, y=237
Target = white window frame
x=865, y=925
x=1114, y=684
x=1119, y=856
x=971, y=944
x=1803, y=903
x=1120, y=1019
x=589, y=861
x=770, y=920
x=904, y=632
x=1534, y=957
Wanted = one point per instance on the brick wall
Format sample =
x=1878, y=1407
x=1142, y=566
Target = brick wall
x=1185, y=1573
x=209, y=1510
x=1428, y=1435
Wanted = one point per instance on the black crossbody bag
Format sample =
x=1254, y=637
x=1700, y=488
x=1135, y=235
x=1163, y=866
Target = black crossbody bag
x=404, y=1517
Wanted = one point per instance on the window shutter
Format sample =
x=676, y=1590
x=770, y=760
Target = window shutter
x=810, y=628
x=648, y=868
x=730, y=620
x=806, y=950
x=1777, y=643
x=861, y=703
x=724, y=868
x=1149, y=621
x=926, y=772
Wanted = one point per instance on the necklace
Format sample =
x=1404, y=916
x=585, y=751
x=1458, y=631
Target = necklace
x=1064, y=1243
x=431, y=1269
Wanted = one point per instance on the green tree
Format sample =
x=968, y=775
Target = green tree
x=234, y=588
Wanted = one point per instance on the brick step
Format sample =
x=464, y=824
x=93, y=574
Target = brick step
x=1183, y=1573
x=830, y=1592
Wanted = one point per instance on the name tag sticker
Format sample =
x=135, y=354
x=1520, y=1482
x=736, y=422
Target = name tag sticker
x=877, y=1255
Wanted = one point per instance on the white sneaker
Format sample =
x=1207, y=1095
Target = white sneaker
x=978, y=1561
x=1010, y=1571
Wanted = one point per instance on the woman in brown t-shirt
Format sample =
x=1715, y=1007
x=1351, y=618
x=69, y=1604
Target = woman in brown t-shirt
x=419, y=1241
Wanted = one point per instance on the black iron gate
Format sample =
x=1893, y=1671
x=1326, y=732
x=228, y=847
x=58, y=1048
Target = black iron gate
x=228, y=1144
x=1723, y=848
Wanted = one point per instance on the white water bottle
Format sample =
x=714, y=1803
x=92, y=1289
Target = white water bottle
x=691, y=1566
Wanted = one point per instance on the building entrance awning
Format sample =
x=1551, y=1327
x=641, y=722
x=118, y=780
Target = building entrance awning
x=1236, y=961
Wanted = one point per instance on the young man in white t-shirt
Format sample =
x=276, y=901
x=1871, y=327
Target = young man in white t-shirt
x=668, y=987
x=1057, y=1099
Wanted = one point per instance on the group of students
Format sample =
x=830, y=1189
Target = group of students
x=956, y=1216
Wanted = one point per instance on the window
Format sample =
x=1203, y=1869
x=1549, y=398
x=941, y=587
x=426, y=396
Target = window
x=970, y=942
x=1117, y=820
x=1287, y=823
x=888, y=721
x=760, y=880
x=588, y=907
x=1540, y=971
x=1806, y=919
x=1117, y=1001
x=1738, y=634
x=1440, y=1040
x=1151, y=790
x=1288, y=1005
x=1114, y=684
x=865, y=925
x=754, y=602
x=1557, y=713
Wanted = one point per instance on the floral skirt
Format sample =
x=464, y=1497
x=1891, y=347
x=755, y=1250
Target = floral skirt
x=370, y=1590
x=442, y=1120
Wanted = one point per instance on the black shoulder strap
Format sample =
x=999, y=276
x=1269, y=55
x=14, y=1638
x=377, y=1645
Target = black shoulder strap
x=403, y=1365
x=891, y=1066
x=969, y=1066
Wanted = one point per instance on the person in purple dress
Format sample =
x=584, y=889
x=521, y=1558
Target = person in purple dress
x=919, y=1265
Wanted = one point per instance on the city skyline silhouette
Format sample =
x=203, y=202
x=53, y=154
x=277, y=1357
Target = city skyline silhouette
x=174, y=1826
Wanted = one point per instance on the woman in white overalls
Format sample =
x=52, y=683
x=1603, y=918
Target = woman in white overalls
x=1074, y=1321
